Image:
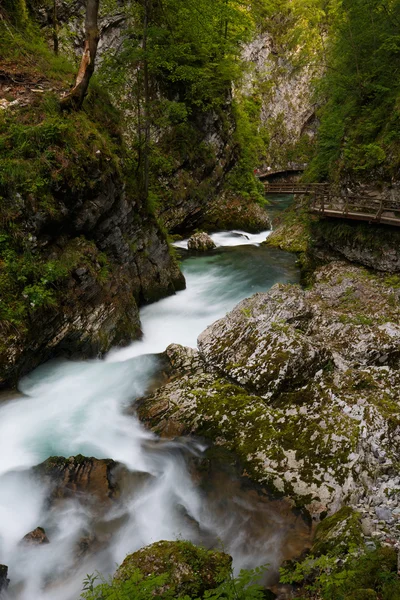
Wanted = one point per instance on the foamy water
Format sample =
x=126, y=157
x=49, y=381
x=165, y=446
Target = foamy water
x=229, y=239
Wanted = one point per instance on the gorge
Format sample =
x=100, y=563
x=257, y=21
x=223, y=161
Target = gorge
x=200, y=381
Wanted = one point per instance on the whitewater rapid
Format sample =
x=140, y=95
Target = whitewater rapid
x=70, y=408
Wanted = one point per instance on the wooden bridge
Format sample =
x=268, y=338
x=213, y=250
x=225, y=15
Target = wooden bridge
x=327, y=203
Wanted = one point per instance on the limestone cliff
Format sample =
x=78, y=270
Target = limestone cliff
x=284, y=86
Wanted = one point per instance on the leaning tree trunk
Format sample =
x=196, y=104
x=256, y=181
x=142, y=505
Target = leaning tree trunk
x=74, y=99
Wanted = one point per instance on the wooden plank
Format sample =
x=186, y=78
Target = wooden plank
x=357, y=216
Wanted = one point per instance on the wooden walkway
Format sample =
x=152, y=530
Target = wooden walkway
x=326, y=203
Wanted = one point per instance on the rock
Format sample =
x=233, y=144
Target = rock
x=289, y=85
x=290, y=382
x=229, y=212
x=191, y=570
x=384, y=514
x=260, y=344
x=201, y=242
x=121, y=260
x=3, y=579
x=90, y=480
x=375, y=247
x=338, y=534
x=367, y=527
x=37, y=537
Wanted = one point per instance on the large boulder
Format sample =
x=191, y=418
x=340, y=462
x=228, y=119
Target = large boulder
x=201, y=242
x=190, y=570
x=261, y=344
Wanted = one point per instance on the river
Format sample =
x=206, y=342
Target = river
x=69, y=408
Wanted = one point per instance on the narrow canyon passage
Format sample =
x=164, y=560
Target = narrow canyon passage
x=71, y=408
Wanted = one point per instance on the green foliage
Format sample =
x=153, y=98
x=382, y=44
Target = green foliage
x=360, y=125
x=367, y=576
x=193, y=56
x=140, y=587
x=30, y=281
x=250, y=141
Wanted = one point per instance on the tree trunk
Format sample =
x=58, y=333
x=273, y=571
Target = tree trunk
x=55, y=28
x=75, y=98
x=147, y=131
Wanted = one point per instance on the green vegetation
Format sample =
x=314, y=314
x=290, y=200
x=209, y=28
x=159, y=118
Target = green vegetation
x=47, y=161
x=175, y=571
x=360, y=128
x=369, y=576
x=193, y=57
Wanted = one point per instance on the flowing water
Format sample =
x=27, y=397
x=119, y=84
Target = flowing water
x=69, y=408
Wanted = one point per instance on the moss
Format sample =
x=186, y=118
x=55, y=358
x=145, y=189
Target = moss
x=262, y=436
x=190, y=570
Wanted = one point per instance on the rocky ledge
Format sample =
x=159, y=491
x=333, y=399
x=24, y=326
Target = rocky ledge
x=303, y=386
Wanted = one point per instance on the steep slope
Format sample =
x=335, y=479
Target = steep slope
x=79, y=249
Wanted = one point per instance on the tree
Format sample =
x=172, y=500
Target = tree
x=74, y=99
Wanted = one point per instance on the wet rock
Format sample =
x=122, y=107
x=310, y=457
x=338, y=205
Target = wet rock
x=201, y=242
x=191, y=570
x=3, y=579
x=37, y=537
x=89, y=480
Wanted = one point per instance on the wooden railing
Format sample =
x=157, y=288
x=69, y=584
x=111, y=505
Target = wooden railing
x=329, y=203
x=295, y=188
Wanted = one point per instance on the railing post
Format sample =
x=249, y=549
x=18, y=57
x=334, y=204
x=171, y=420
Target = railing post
x=378, y=215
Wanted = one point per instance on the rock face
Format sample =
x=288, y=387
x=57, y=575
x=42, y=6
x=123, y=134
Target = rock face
x=201, y=242
x=191, y=570
x=375, y=246
x=302, y=386
x=37, y=537
x=3, y=579
x=122, y=259
x=286, y=91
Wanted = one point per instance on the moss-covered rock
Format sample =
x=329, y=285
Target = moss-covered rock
x=338, y=534
x=79, y=248
x=190, y=570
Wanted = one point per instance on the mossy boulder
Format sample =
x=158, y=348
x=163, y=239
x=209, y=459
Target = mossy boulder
x=229, y=211
x=261, y=345
x=190, y=570
x=201, y=242
x=338, y=534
